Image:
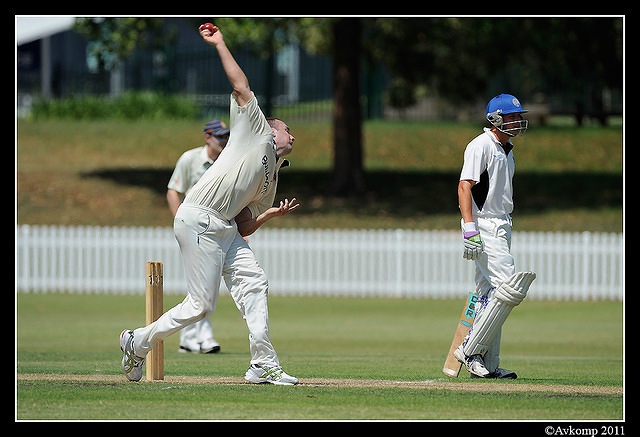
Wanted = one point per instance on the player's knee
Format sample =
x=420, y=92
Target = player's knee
x=514, y=290
x=257, y=281
x=199, y=308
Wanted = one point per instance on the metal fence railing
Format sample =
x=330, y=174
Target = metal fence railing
x=364, y=263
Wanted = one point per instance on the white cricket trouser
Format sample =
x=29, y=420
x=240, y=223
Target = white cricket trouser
x=213, y=248
x=494, y=266
x=193, y=335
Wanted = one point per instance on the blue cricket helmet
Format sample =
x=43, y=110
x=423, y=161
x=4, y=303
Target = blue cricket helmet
x=506, y=104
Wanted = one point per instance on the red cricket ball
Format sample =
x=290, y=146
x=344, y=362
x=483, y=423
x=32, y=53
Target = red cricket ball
x=207, y=26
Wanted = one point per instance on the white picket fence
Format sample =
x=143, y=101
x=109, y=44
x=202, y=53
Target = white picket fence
x=366, y=263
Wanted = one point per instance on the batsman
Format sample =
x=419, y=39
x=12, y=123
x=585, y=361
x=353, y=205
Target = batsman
x=485, y=196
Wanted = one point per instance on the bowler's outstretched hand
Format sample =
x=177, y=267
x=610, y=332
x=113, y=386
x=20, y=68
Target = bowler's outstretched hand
x=210, y=33
x=285, y=207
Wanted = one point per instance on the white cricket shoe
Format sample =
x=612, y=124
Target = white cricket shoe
x=210, y=346
x=272, y=375
x=131, y=363
x=474, y=364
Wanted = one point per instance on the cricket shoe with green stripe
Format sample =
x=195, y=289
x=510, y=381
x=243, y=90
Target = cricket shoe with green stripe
x=131, y=363
x=271, y=375
x=474, y=364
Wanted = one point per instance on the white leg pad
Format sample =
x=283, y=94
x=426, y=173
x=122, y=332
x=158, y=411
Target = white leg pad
x=508, y=295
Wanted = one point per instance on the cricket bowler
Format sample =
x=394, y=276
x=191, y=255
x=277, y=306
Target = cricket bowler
x=233, y=198
x=485, y=196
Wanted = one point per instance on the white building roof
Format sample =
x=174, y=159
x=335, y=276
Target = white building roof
x=31, y=28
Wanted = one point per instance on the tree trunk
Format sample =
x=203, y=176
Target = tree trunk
x=348, y=177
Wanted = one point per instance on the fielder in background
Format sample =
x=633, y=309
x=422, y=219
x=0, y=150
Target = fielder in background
x=485, y=196
x=197, y=338
x=233, y=198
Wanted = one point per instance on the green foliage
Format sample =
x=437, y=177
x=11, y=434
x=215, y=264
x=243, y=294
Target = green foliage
x=129, y=106
x=261, y=36
x=468, y=58
x=112, y=40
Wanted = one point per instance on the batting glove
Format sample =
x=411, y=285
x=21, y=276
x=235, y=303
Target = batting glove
x=472, y=245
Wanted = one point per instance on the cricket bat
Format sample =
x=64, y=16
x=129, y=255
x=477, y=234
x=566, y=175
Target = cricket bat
x=452, y=365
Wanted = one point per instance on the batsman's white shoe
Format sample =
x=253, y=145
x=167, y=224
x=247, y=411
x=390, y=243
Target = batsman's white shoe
x=474, y=364
x=271, y=375
x=131, y=363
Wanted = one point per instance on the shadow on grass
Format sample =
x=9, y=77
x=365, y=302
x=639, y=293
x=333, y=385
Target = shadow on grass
x=405, y=193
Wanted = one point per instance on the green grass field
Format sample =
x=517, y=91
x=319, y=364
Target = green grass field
x=357, y=359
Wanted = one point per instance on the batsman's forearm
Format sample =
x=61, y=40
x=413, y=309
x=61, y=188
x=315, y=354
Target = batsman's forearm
x=236, y=76
x=464, y=201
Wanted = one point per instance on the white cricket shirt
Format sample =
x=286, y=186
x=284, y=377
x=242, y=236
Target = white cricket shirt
x=491, y=166
x=245, y=173
x=189, y=169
